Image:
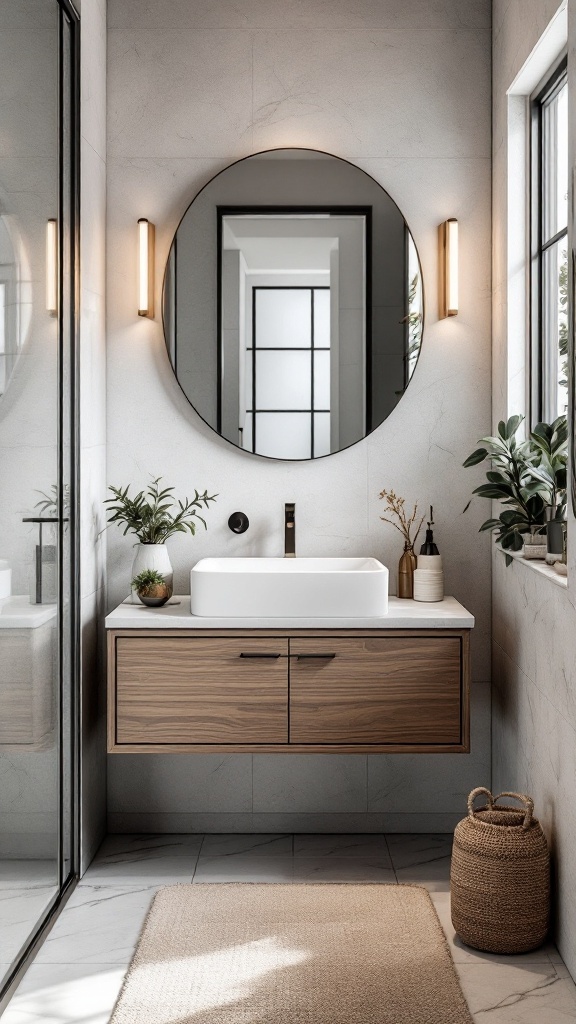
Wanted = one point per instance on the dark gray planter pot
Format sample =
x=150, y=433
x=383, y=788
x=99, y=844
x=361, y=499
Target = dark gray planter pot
x=555, y=537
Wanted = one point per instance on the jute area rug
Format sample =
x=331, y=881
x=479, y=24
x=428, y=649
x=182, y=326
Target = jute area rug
x=292, y=954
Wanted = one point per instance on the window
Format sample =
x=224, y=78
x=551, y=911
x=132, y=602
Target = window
x=549, y=285
x=288, y=373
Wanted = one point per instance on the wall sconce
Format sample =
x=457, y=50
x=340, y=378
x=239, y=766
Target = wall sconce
x=145, y=268
x=448, y=257
x=52, y=267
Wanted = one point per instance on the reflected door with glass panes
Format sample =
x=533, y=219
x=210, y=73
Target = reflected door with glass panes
x=287, y=380
x=550, y=306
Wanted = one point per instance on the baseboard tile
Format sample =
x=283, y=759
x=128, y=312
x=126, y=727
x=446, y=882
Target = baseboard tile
x=183, y=822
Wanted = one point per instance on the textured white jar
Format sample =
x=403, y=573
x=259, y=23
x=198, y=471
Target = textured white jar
x=152, y=556
x=428, y=585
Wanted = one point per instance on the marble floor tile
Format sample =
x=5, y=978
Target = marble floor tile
x=66, y=994
x=244, y=867
x=368, y=846
x=28, y=873
x=518, y=994
x=137, y=860
x=422, y=860
x=99, y=925
x=342, y=869
x=78, y=972
x=259, y=845
x=21, y=909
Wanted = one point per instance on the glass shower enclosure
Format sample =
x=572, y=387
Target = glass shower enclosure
x=38, y=459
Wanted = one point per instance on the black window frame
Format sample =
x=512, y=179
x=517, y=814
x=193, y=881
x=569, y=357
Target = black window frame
x=555, y=80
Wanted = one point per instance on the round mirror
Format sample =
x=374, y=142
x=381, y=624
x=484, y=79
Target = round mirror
x=293, y=304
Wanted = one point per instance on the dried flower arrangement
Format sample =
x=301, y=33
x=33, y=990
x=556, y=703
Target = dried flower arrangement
x=404, y=523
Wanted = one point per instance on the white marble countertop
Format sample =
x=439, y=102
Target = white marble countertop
x=402, y=614
x=18, y=613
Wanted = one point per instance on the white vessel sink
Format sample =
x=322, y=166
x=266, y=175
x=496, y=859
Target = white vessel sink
x=289, y=587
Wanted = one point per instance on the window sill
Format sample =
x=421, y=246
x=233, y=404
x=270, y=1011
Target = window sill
x=540, y=567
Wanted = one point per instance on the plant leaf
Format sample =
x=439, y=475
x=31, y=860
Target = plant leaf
x=478, y=456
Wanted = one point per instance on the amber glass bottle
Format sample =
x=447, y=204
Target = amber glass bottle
x=406, y=568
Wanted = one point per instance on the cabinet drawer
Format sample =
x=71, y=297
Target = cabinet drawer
x=396, y=690
x=205, y=690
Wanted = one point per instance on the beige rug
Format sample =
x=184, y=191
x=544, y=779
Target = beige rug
x=292, y=954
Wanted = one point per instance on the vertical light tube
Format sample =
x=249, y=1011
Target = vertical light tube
x=448, y=257
x=145, y=268
x=52, y=267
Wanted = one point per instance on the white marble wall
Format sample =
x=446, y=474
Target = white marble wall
x=402, y=88
x=534, y=710
x=93, y=418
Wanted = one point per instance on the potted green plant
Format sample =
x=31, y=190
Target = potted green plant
x=152, y=588
x=154, y=515
x=528, y=477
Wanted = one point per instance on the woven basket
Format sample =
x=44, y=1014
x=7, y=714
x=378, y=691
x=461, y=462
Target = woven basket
x=500, y=877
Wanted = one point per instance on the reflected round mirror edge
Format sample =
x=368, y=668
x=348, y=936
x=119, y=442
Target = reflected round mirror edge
x=172, y=359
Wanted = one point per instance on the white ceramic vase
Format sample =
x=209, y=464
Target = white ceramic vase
x=152, y=556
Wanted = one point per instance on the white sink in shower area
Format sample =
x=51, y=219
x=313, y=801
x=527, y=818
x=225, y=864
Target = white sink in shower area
x=289, y=587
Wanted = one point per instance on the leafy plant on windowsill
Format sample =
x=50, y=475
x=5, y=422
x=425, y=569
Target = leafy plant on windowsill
x=527, y=477
x=155, y=515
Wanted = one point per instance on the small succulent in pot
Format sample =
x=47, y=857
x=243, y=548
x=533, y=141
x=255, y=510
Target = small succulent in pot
x=152, y=588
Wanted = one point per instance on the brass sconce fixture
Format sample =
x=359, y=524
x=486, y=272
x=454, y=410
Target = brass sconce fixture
x=448, y=260
x=145, y=268
x=52, y=267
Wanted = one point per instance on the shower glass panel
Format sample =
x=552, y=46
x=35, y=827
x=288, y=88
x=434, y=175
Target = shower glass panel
x=38, y=647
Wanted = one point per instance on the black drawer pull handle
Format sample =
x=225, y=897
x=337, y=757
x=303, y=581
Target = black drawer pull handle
x=257, y=655
x=327, y=657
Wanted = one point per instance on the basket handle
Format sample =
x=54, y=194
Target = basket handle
x=528, y=805
x=474, y=794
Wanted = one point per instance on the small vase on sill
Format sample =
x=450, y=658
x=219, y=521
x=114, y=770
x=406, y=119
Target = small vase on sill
x=152, y=556
x=406, y=568
x=534, y=545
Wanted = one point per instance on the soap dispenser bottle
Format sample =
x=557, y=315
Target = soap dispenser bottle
x=429, y=577
x=429, y=557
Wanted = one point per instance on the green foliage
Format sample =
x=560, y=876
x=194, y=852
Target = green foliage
x=147, y=579
x=155, y=515
x=527, y=477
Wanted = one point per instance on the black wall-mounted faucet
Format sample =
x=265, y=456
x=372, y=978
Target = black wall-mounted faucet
x=290, y=530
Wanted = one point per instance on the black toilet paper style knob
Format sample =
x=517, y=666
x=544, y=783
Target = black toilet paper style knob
x=238, y=522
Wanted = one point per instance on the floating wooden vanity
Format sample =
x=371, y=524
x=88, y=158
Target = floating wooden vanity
x=190, y=686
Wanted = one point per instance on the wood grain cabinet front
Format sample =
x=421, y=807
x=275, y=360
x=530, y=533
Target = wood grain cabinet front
x=372, y=691
x=187, y=691
x=335, y=691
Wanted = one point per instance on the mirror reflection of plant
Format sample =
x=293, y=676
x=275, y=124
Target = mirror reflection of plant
x=527, y=477
x=414, y=320
x=49, y=502
x=154, y=515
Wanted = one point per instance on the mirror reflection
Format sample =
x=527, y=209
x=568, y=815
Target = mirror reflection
x=36, y=378
x=293, y=304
